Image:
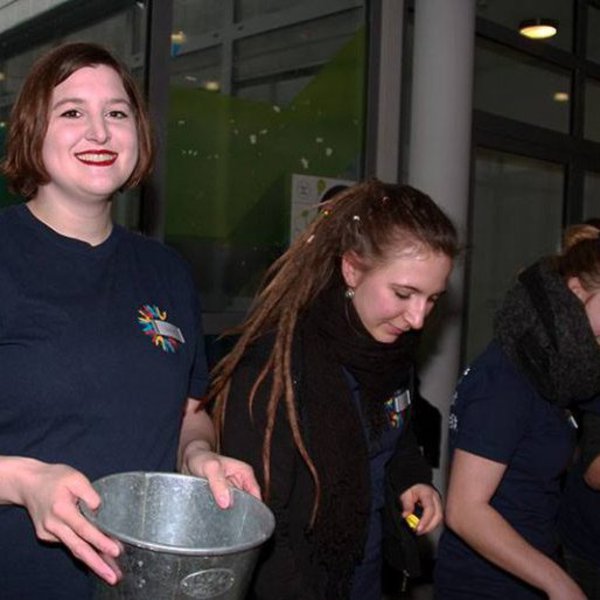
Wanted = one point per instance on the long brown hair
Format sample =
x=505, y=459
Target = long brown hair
x=369, y=219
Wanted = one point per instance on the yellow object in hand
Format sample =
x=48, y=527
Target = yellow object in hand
x=412, y=520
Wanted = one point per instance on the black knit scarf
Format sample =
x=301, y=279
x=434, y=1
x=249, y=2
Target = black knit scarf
x=543, y=328
x=331, y=335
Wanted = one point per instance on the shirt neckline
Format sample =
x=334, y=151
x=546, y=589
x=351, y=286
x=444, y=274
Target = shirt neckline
x=68, y=243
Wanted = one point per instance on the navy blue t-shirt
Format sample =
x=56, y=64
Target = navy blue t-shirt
x=366, y=579
x=497, y=414
x=579, y=517
x=99, y=349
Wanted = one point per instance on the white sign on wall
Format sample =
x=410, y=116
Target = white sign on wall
x=308, y=191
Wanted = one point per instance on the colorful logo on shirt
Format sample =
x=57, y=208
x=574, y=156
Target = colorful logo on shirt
x=153, y=322
x=395, y=407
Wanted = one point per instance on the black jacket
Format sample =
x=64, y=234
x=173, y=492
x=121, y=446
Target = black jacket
x=286, y=570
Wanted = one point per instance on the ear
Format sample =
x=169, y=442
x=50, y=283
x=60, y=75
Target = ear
x=351, y=269
x=574, y=284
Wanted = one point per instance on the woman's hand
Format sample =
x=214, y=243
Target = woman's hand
x=566, y=589
x=221, y=472
x=50, y=493
x=196, y=457
x=428, y=498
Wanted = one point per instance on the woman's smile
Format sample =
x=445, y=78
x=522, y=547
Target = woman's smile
x=98, y=158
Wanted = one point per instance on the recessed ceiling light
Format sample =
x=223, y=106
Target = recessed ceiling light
x=538, y=29
x=561, y=97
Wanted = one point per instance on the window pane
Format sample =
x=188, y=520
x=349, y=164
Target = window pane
x=511, y=13
x=516, y=218
x=592, y=114
x=198, y=69
x=288, y=100
x=517, y=86
x=593, y=39
x=295, y=49
x=194, y=17
x=591, y=196
x=246, y=9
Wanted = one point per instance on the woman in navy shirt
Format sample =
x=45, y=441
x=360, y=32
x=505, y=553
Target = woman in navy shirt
x=512, y=437
x=101, y=350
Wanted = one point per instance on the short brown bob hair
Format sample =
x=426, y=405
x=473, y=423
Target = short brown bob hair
x=23, y=165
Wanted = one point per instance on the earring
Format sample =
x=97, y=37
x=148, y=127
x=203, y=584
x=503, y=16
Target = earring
x=349, y=294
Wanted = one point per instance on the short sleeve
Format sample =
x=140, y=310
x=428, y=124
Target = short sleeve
x=490, y=412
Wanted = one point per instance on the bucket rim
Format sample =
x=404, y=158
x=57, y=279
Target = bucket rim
x=92, y=517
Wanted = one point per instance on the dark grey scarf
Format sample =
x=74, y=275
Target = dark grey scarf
x=543, y=328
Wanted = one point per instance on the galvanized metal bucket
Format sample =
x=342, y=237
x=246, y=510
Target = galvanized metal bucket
x=177, y=543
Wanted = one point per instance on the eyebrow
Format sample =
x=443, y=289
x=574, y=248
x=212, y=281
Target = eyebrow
x=80, y=101
x=418, y=290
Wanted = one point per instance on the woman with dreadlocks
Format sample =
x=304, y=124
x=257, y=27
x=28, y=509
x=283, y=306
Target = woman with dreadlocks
x=316, y=393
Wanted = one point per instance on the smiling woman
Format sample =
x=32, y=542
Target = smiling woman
x=91, y=144
x=24, y=165
x=86, y=391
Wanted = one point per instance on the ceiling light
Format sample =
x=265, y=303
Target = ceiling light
x=538, y=29
x=561, y=97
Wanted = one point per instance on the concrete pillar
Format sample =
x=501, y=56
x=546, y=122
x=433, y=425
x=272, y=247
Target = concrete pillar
x=439, y=164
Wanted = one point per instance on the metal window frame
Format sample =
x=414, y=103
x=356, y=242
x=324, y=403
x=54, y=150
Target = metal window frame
x=160, y=19
x=158, y=55
x=572, y=150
